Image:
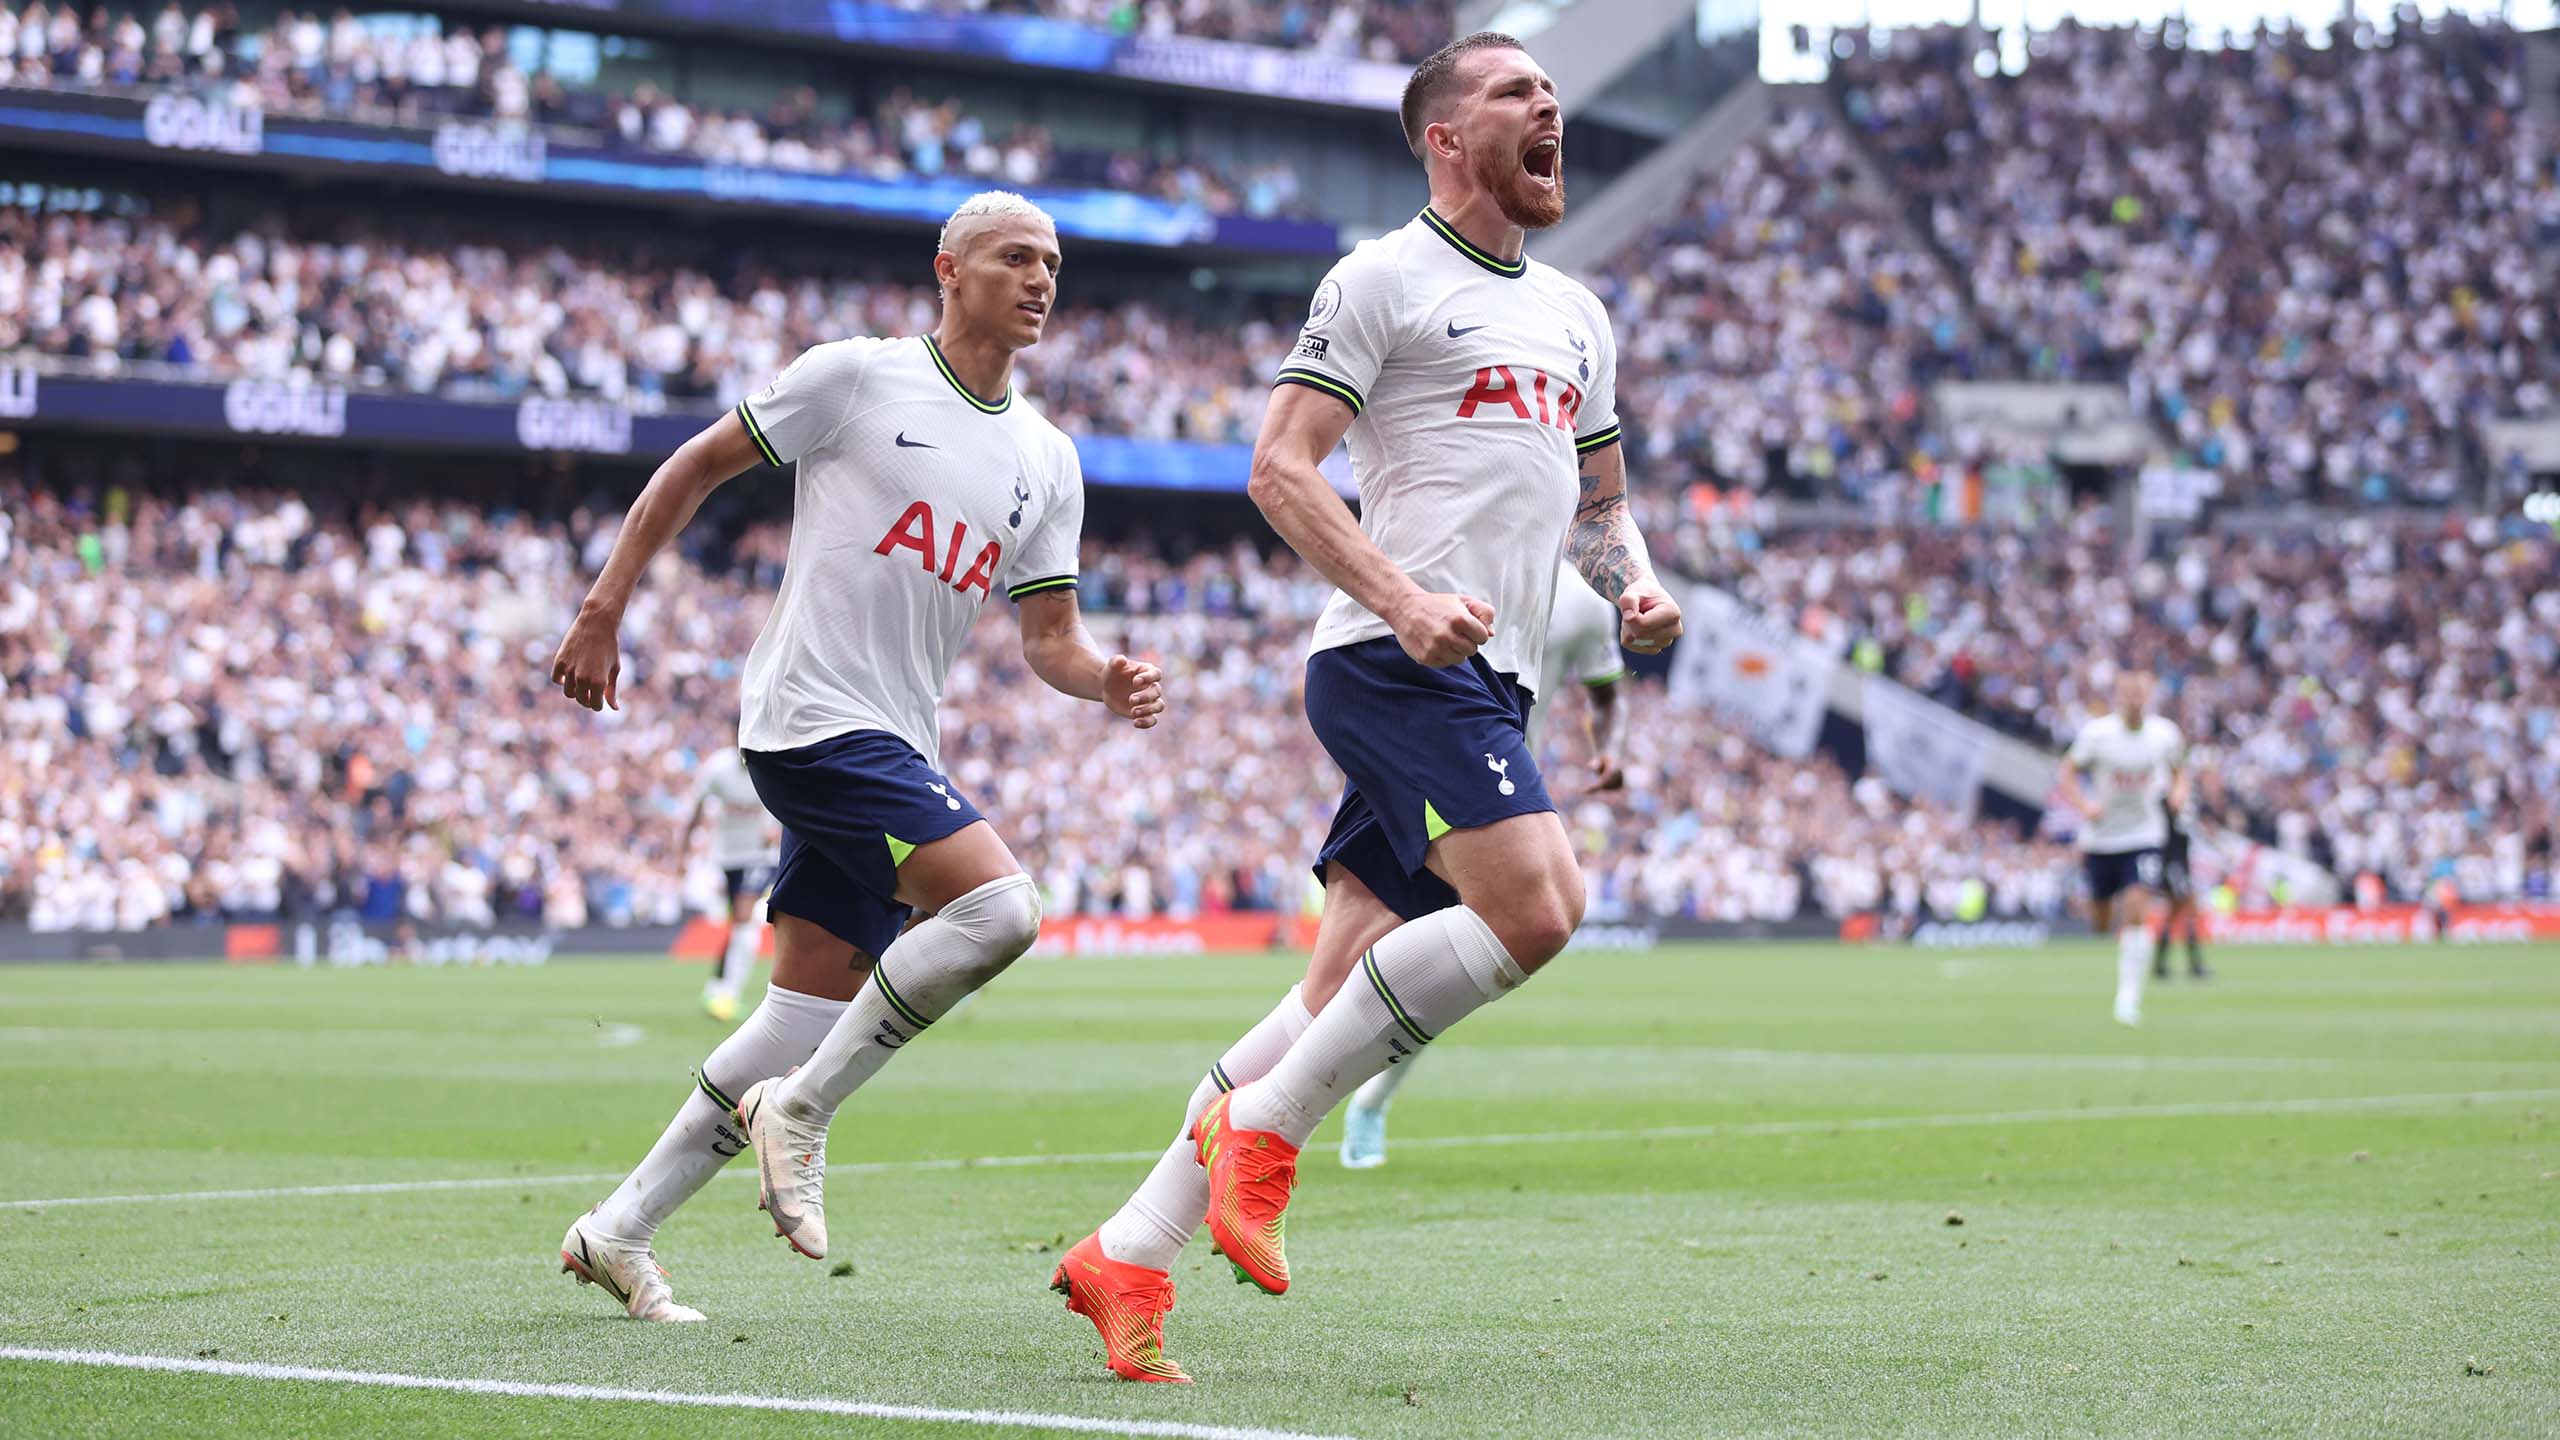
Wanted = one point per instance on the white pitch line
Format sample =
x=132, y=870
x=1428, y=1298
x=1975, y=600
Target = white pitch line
x=865, y=1409
x=2176, y=1110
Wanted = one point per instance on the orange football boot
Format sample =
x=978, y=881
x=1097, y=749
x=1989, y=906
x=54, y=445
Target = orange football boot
x=1251, y=1173
x=1127, y=1303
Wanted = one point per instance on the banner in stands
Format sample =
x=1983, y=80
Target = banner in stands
x=296, y=410
x=1158, y=934
x=2504, y=924
x=483, y=156
x=337, y=943
x=1924, y=749
x=344, y=943
x=2512, y=923
x=1225, y=66
x=1753, y=670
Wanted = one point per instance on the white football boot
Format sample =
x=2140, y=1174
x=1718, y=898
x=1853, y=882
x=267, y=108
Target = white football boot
x=791, y=1169
x=628, y=1272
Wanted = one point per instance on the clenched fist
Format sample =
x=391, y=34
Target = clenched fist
x=1438, y=630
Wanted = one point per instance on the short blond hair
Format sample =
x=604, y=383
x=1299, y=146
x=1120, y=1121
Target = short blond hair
x=984, y=206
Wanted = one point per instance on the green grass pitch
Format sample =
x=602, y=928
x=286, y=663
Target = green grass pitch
x=2319, y=1196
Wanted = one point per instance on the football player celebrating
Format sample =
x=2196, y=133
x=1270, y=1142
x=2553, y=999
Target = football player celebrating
x=1477, y=388
x=923, y=489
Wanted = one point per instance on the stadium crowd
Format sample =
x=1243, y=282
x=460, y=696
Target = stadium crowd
x=420, y=72
x=230, y=705
x=1778, y=329
x=2384, y=700
x=1782, y=341
x=434, y=311
x=179, y=41
x=2313, y=261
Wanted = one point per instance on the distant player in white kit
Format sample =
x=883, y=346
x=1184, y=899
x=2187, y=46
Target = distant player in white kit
x=742, y=845
x=923, y=491
x=2135, y=759
x=1582, y=652
x=1478, y=391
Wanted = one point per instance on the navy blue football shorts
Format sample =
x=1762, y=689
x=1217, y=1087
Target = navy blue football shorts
x=1426, y=752
x=2113, y=874
x=852, y=809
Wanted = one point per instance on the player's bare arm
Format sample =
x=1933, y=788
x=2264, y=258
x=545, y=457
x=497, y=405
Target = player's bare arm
x=1060, y=650
x=1604, y=545
x=692, y=820
x=2075, y=799
x=1608, y=723
x=1298, y=431
x=588, y=667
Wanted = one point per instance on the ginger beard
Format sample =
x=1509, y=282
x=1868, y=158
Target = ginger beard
x=1505, y=175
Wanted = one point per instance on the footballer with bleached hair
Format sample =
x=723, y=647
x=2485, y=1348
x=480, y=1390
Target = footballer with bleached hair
x=922, y=490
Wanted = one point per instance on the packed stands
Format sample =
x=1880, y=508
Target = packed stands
x=2381, y=699
x=339, y=67
x=235, y=705
x=433, y=307
x=2314, y=262
x=1777, y=330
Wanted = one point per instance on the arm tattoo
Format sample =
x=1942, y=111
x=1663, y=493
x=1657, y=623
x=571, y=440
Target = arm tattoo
x=1602, y=544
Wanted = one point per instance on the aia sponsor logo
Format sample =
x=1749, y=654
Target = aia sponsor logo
x=917, y=531
x=1499, y=389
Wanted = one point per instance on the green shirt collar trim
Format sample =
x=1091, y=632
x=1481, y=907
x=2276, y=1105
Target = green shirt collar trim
x=990, y=407
x=1509, y=270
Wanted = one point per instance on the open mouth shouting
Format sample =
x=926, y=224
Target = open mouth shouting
x=1543, y=161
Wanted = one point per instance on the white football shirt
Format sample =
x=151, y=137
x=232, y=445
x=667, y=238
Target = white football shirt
x=740, y=830
x=915, y=502
x=1582, y=644
x=1474, y=386
x=2132, y=768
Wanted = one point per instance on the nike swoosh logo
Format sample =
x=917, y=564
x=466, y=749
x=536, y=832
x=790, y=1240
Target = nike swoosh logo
x=906, y=444
x=1456, y=331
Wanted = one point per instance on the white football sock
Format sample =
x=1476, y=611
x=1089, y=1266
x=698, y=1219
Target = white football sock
x=1382, y=1086
x=1174, y=1198
x=704, y=1136
x=2133, y=963
x=1424, y=977
x=930, y=969
x=739, y=960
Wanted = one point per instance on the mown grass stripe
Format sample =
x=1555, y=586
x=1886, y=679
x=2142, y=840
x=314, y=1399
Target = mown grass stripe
x=1742, y=1130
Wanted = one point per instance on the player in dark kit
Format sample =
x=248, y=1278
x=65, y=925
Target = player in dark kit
x=2178, y=899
